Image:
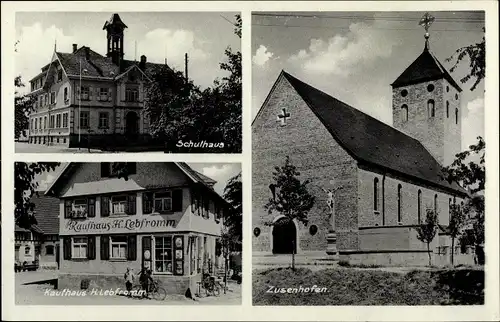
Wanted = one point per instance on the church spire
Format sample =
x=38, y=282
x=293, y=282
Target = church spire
x=426, y=21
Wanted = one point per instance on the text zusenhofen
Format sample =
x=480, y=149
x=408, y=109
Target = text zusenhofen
x=300, y=289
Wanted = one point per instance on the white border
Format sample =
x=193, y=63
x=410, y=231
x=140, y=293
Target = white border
x=489, y=311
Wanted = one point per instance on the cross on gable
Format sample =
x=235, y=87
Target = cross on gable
x=283, y=116
x=426, y=21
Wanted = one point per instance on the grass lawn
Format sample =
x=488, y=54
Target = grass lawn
x=347, y=286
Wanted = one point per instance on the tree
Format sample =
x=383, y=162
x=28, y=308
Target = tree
x=427, y=231
x=23, y=106
x=291, y=197
x=477, y=61
x=25, y=187
x=457, y=221
x=234, y=219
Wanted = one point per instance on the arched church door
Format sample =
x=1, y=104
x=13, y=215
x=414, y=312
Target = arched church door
x=131, y=124
x=284, y=237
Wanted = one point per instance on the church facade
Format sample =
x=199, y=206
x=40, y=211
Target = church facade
x=83, y=96
x=377, y=180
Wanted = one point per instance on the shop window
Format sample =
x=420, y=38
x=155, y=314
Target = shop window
x=79, y=247
x=163, y=201
x=163, y=255
x=118, y=246
x=27, y=250
x=49, y=250
x=193, y=252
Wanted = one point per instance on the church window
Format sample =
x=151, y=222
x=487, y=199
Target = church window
x=456, y=116
x=404, y=113
x=456, y=96
x=404, y=93
x=103, y=120
x=447, y=109
x=431, y=108
x=419, y=206
x=399, y=202
x=447, y=88
x=375, y=194
x=436, y=203
x=430, y=87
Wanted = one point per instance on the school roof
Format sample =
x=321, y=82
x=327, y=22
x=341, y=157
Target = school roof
x=372, y=142
x=425, y=68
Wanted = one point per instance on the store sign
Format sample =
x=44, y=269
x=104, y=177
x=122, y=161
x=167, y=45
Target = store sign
x=118, y=225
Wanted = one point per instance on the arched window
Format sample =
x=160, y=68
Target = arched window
x=447, y=109
x=431, y=108
x=456, y=116
x=375, y=194
x=383, y=200
x=404, y=113
x=419, y=206
x=399, y=203
x=436, y=203
x=65, y=94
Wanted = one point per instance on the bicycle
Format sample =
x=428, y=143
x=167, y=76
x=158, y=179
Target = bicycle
x=155, y=291
x=210, y=286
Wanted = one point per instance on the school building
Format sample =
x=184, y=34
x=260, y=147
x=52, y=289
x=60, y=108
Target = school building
x=164, y=216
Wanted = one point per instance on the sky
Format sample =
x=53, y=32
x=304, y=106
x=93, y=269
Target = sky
x=355, y=56
x=204, y=36
x=220, y=172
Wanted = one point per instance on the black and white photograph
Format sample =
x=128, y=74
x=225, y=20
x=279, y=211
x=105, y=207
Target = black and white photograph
x=90, y=82
x=128, y=233
x=368, y=169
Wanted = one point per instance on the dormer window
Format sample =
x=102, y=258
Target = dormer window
x=108, y=170
x=431, y=108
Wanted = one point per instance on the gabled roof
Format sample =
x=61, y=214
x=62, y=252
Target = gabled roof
x=370, y=141
x=425, y=68
x=46, y=213
x=94, y=63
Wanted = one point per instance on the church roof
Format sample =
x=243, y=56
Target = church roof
x=425, y=68
x=370, y=141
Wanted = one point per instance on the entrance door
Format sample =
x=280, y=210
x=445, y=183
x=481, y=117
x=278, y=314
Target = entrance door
x=132, y=124
x=284, y=237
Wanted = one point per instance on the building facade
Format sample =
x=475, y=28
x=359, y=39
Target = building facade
x=83, y=97
x=164, y=217
x=382, y=179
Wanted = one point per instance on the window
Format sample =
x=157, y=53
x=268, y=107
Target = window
x=456, y=96
x=79, y=247
x=430, y=87
x=419, y=206
x=103, y=94
x=51, y=122
x=59, y=75
x=40, y=100
x=46, y=99
x=431, y=108
x=58, y=121
x=436, y=203
x=131, y=95
x=65, y=120
x=27, y=250
x=36, y=123
x=447, y=88
x=163, y=201
x=163, y=255
x=118, y=204
x=52, y=97
x=45, y=122
x=399, y=202
x=447, y=109
x=108, y=169
x=84, y=119
x=49, y=250
x=375, y=194
x=118, y=245
x=193, y=251
x=404, y=93
x=456, y=116
x=103, y=120
x=449, y=208
x=404, y=113
x=85, y=93
x=66, y=94
x=79, y=207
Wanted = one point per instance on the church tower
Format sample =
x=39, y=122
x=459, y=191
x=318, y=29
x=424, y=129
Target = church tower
x=426, y=104
x=114, y=28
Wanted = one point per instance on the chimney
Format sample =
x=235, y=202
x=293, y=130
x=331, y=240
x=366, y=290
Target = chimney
x=142, y=63
x=74, y=47
x=186, y=66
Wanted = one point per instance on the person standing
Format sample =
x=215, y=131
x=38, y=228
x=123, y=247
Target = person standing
x=129, y=280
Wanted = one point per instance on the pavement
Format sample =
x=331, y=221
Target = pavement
x=35, y=288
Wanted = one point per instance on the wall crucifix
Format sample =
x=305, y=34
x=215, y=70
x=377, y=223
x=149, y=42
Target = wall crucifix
x=283, y=116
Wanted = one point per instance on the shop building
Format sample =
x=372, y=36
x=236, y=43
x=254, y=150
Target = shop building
x=164, y=216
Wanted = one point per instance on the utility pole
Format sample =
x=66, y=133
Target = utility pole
x=80, y=107
x=186, y=66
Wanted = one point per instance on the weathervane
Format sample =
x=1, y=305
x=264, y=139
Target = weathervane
x=426, y=21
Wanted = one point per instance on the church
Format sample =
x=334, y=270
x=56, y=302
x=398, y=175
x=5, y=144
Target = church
x=83, y=97
x=372, y=182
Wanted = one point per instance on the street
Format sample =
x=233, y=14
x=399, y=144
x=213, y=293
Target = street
x=39, y=294
x=23, y=147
